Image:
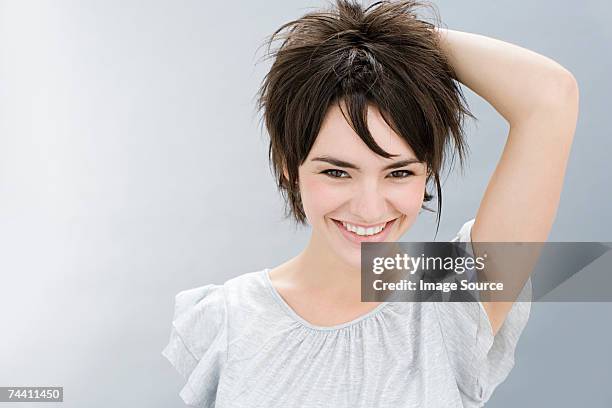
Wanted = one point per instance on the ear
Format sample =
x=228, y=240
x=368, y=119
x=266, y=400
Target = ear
x=286, y=176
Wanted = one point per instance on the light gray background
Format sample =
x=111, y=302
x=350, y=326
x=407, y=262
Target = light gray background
x=132, y=166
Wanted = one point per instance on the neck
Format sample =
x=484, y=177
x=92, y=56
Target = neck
x=320, y=270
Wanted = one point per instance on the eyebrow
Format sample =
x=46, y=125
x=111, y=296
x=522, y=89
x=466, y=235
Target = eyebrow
x=345, y=164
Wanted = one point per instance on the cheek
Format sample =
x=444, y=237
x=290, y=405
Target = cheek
x=408, y=199
x=319, y=196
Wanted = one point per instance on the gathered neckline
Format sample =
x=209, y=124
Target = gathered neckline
x=279, y=299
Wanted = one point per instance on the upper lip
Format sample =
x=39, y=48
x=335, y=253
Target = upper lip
x=366, y=226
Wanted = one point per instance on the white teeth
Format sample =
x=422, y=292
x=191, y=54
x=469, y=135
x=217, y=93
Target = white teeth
x=363, y=231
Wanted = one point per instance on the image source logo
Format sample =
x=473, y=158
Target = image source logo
x=485, y=271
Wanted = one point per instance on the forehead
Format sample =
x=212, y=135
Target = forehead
x=337, y=137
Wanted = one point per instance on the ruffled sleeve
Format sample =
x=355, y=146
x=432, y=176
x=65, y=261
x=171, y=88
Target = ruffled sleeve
x=198, y=342
x=480, y=360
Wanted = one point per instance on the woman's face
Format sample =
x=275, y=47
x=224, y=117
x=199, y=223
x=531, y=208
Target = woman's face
x=349, y=192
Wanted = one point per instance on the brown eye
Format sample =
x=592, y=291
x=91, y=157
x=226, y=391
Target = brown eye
x=401, y=174
x=335, y=173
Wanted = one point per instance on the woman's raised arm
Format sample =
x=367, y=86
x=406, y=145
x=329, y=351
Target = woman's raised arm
x=539, y=100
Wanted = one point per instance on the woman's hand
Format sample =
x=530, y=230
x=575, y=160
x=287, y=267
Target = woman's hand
x=539, y=100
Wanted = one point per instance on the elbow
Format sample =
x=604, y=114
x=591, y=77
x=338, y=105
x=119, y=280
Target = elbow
x=555, y=104
x=562, y=92
x=557, y=100
x=568, y=86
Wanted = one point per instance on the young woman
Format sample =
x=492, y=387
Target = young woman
x=362, y=108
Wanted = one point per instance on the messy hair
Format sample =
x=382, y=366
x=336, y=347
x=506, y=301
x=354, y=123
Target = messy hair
x=382, y=55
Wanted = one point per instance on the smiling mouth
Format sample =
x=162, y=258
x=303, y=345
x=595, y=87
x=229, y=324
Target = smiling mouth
x=364, y=233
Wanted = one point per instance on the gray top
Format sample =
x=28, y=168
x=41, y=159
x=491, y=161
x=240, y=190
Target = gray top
x=240, y=344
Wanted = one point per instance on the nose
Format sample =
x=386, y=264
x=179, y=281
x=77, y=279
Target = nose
x=368, y=202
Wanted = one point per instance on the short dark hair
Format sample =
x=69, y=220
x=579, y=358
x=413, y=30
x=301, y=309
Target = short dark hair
x=381, y=55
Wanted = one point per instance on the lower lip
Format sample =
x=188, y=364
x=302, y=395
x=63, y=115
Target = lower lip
x=358, y=239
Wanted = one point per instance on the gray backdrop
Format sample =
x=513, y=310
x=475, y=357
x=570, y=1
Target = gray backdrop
x=132, y=166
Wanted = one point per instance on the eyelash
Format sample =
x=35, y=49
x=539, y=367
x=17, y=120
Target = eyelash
x=329, y=173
